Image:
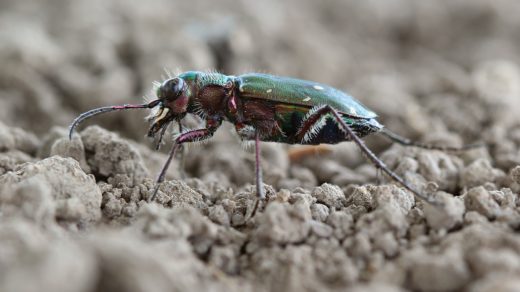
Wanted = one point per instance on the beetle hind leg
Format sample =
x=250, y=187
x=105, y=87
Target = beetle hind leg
x=311, y=124
x=319, y=126
x=350, y=135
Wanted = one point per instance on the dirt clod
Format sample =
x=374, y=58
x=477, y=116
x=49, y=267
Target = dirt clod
x=446, y=216
x=108, y=155
x=76, y=198
x=479, y=199
x=330, y=195
x=440, y=272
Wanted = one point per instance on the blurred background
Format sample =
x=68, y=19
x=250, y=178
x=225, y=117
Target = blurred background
x=405, y=59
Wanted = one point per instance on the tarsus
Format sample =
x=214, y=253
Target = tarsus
x=378, y=162
x=407, y=142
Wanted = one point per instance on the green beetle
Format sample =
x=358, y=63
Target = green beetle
x=263, y=107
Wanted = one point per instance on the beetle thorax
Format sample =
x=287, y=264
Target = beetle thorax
x=213, y=90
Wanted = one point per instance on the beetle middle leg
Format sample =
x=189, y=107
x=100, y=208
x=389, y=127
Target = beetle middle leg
x=260, y=194
x=259, y=124
x=258, y=170
x=320, y=113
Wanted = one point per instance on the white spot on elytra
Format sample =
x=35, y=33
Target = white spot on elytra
x=317, y=87
x=269, y=90
x=353, y=111
x=307, y=98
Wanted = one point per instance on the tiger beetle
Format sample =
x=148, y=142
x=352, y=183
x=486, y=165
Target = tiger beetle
x=264, y=107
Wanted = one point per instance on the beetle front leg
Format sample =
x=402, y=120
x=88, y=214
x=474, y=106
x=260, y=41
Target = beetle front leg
x=191, y=136
x=161, y=136
x=317, y=115
x=182, y=158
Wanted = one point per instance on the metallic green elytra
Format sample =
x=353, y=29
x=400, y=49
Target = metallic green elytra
x=293, y=99
x=262, y=107
x=300, y=92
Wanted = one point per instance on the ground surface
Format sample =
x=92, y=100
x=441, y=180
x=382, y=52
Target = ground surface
x=443, y=72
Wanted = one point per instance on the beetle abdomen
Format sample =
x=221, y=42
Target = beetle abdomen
x=290, y=120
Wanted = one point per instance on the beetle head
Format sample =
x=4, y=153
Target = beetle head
x=173, y=104
x=172, y=94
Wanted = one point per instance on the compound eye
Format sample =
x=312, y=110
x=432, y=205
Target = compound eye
x=171, y=89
